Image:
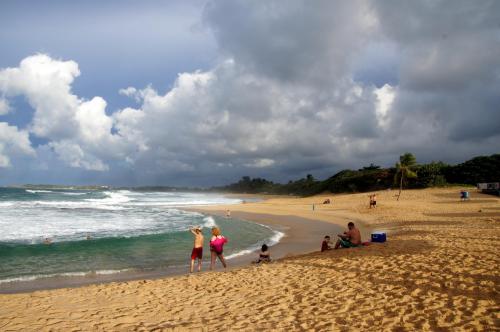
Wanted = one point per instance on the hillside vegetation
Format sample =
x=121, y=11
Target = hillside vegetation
x=373, y=177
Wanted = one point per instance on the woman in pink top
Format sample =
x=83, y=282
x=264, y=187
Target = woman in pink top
x=216, y=247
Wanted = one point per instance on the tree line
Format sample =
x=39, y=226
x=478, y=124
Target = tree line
x=407, y=173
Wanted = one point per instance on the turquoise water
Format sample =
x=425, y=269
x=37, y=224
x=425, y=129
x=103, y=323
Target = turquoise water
x=127, y=230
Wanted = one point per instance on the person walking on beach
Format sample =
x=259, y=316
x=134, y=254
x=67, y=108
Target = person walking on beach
x=197, y=252
x=351, y=238
x=373, y=201
x=216, y=247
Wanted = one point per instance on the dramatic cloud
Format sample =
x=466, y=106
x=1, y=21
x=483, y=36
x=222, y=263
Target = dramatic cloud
x=79, y=130
x=449, y=67
x=12, y=142
x=4, y=106
x=292, y=41
x=298, y=88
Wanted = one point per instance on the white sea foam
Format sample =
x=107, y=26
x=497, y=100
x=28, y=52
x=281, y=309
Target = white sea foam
x=242, y=252
x=274, y=239
x=76, y=205
x=56, y=275
x=113, y=198
x=115, y=213
x=106, y=272
x=209, y=222
x=31, y=222
x=38, y=191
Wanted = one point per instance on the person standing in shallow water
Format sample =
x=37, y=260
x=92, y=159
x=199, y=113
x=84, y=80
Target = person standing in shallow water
x=217, y=247
x=197, y=252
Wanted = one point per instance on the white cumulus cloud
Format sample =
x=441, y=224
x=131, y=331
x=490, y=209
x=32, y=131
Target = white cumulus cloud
x=13, y=141
x=78, y=130
x=4, y=106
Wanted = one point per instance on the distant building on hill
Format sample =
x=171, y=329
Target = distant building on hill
x=492, y=188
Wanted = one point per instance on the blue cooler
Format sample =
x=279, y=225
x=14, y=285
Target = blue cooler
x=379, y=237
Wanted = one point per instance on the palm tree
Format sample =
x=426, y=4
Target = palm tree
x=404, y=169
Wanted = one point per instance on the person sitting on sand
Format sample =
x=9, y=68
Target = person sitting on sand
x=197, y=252
x=264, y=255
x=325, y=245
x=351, y=238
x=216, y=247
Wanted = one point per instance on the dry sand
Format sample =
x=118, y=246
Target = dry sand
x=439, y=270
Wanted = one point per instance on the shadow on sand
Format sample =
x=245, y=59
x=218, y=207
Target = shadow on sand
x=463, y=214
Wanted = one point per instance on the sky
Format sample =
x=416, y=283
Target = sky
x=201, y=93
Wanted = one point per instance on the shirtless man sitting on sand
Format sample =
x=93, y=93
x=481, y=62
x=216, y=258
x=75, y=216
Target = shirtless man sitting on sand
x=351, y=238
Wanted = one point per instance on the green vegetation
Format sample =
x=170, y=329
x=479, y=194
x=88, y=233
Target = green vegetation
x=477, y=170
x=407, y=173
x=405, y=169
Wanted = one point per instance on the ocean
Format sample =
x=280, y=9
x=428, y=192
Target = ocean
x=96, y=232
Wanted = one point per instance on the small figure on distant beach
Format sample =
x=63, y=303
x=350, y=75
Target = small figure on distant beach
x=197, y=252
x=464, y=195
x=351, y=238
x=373, y=201
x=326, y=244
x=313, y=207
x=327, y=201
x=264, y=255
x=228, y=213
x=47, y=241
x=216, y=247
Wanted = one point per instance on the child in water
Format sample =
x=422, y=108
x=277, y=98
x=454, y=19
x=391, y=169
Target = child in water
x=216, y=247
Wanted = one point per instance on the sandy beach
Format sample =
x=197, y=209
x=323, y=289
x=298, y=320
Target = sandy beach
x=437, y=271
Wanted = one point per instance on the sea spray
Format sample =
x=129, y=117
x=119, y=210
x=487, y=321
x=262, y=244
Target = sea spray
x=209, y=222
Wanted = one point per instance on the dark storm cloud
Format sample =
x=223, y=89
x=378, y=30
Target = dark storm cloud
x=450, y=66
x=291, y=41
